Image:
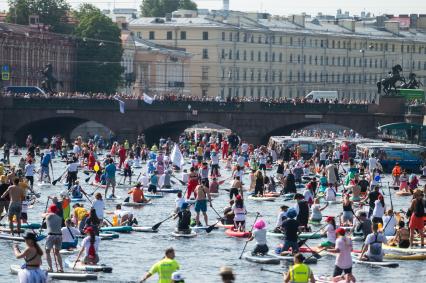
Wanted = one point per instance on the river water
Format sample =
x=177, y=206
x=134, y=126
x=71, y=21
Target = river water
x=201, y=257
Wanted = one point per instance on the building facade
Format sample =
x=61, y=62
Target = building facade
x=240, y=54
x=26, y=50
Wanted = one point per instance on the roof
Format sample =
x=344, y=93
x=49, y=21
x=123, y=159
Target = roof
x=27, y=30
x=240, y=20
x=152, y=47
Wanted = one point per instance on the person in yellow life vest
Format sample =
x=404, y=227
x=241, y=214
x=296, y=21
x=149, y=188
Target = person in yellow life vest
x=80, y=214
x=396, y=172
x=299, y=272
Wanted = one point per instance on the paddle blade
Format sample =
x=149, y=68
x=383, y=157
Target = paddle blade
x=126, y=199
x=55, y=181
x=210, y=228
x=316, y=255
x=156, y=226
x=87, y=179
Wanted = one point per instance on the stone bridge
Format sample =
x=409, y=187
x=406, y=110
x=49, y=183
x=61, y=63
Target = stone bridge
x=254, y=122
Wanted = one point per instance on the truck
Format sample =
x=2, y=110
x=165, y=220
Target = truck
x=324, y=94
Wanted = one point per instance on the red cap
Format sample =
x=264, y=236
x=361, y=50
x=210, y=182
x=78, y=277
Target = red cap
x=89, y=230
x=329, y=218
x=238, y=197
x=53, y=209
x=340, y=231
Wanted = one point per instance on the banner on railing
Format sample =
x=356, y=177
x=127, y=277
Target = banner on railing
x=147, y=99
x=121, y=104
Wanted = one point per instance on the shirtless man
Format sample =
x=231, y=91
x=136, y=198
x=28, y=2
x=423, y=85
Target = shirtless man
x=202, y=196
x=16, y=195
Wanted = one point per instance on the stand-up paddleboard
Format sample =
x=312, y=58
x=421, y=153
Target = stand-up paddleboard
x=121, y=229
x=237, y=234
x=290, y=258
x=18, y=238
x=170, y=191
x=145, y=229
x=262, y=198
x=153, y=196
x=183, y=235
x=70, y=276
x=136, y=204
x=263, y=259
x=69, y=262
x=402, y=250
x=375, y=263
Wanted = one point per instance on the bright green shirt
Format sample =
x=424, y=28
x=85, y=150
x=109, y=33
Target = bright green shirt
x=164, y=268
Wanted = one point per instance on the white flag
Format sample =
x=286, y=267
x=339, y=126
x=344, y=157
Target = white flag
x=148, y=99
x=121, y=104
x=177, y=157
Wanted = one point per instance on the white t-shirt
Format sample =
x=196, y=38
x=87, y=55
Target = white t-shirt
x=389, y=223
x=99, y=206
x=121, y=212
x=331, y=233
x=240, y=160
x=371, y=239
x=323, y=155
x=344, y=258
x=244, y=147
x=260, y=236
x=308, y=195
x=86, y=244
x=29, y=170
x=372, y=163
x=76, y=149
x=379, y=209
x=280, y=218
x=240, y=213
x=179, y=202
x=66, y=236
x=330, y=194
x=72, y=167
x=24, y=206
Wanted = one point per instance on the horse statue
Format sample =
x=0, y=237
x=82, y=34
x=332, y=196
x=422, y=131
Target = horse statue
x=48, y=84
x=391, y=81
x=413, y=83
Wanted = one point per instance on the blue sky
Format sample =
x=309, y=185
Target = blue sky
x=284, y=7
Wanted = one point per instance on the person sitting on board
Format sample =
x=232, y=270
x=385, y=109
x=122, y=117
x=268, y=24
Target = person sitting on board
x=330, y=193
x=184, y=222
x=362, y=224
x=166, y=179
x=137, y=194
x=90, y=245
x=77, y=191
x=330, y=233
x=179, y=201
x=122, y=217
x=402, y=237
x=69, y=235
x=372, y=249
x=259, y=234
x=214, y=186
x=316, y=215
x=281, y=217
x=228, y=214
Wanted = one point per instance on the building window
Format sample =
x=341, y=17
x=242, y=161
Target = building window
x=273, y=76
x=280, y=57
x=251, y=55
x=281, y=40
x=204, y=73
x=280, y=76
x=230, y=36
x=310, y=60
x=252, y=75
x=291, y=58
x=237, y=37
x=151, y=35
x=244, y=92
x=230, y=54
x=259, y=76
x=290, y=75
x=204, y=92
x=298, y=59
x=223, y=36
x=245, y=37
x=259, y=39
x=169, y=35
x=138, y=34
x=183, y=35
x=266, y=75
x=332, y=60
x=273, y=57
x=266, y=56
x=322, y=61
x=205, y=53
x=252, y=39
x=316, y=60
x=205, y=35
x=223, y=54
x=259, y=55
x=244, y=75
x=244, y=55
x=291, y=41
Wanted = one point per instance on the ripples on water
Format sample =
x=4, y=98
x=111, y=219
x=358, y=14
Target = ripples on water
x=201, y=257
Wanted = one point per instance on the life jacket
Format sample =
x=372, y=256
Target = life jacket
x=396, y=171
x=299, y=273
x=92, y=251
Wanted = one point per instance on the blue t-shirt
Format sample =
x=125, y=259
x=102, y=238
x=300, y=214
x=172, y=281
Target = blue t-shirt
x=46, y=159
x=110, y=171
x=154, y=180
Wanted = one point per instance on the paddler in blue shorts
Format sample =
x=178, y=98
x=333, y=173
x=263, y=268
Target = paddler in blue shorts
x=203, y=195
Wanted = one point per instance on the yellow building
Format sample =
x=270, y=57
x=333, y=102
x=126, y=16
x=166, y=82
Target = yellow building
x=238, y=54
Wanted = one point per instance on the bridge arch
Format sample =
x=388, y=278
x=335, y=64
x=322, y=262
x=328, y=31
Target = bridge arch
x=46, y=127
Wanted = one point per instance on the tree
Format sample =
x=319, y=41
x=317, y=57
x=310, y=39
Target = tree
x=159, y=8
x=51, y=12
x=99, y=51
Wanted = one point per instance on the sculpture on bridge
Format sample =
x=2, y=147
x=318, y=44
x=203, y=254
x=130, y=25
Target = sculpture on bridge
x=413, y=83
x=49, y=82
x=392, y=80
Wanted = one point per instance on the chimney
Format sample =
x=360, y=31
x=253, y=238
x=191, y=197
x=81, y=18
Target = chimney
x=225, y=5
x=298, y=20
x=413, y=21
x=392, y=26
x=347, y=24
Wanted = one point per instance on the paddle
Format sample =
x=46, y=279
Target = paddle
x=251, y=230
x=60, y=177
x=211, y=227
x=390, y=196
x=156, y=226
x=221, y=218
x=314, y=254
x=180, y=181
x=224, y=180
x=272, y=271
x=42, y=221
x=88, y=178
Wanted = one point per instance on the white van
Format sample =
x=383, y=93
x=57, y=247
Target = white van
x=318, y=94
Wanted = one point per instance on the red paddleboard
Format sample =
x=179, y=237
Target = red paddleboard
x=237, y=234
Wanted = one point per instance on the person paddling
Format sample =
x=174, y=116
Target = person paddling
x=30, y=272
x=184, y=221
x=54, y=237
x=259, y=234
x=90, y=245
x=372, y=249
x=343, y=264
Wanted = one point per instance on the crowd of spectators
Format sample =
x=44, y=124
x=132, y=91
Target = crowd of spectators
x=325, y=134
x=177, y=96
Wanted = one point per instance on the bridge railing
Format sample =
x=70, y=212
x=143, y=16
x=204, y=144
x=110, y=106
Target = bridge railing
x=210, y=106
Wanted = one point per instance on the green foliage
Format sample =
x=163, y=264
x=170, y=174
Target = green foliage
x=50, y=12
x=159, y=8
x=99, y=52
